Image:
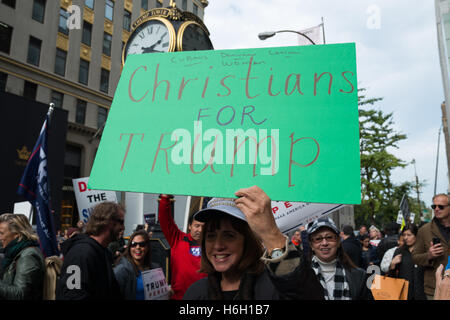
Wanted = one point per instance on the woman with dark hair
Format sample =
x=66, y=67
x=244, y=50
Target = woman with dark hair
x=129, y=266
x=402, y=265
x=339, y=277
x=245, y=255
x=231, y=257
x=369, y=252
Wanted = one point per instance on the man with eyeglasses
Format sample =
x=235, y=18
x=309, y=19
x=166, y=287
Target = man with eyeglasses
x=432, y=243
x=87, y=273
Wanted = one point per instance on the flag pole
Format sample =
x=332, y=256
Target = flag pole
x=50, y=111
x=323, y=30
x=437, y=161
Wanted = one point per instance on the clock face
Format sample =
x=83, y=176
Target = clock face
x=151, y=36
x=193, y=38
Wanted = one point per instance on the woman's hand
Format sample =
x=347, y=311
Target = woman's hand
x=256, y=206
x=395, y=261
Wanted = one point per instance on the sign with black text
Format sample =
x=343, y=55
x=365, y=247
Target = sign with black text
x=87, y=199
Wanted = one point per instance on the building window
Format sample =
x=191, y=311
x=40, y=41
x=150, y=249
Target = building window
x=63, y=17
x=29, y=90
x=11, y=3
x=5, y=37
x=38, y=10
x=107, y=41
x=3, y=78
x=80, y=115
x=144, y=4
x=89, y=4
x=83, y=74
x=158, y=4
x=72, y=164
x=109, y=10
x=127, y=20
x=101, y=116
x=195, y=9
x=60, y=62
x=57, y=99
x=87, y=33
x=184, y=5
x=104, y=80
x=34, y=51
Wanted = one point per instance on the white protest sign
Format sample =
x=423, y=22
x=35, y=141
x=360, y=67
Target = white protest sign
x=87, y=199
x=291, y=215
x=412, y=216
x=155, y=285
x=25, y=208
x=399, y=218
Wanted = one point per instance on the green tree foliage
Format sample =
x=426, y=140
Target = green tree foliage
x=377, y=138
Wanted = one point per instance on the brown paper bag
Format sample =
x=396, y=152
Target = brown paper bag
x=386, y=288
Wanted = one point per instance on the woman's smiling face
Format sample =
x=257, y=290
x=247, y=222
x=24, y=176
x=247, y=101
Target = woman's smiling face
x=324, y=243
x=138, y=248
x=224, y=247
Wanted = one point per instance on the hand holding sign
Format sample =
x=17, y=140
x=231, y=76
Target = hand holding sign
x=256, y=206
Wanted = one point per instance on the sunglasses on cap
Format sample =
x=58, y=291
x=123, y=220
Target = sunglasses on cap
x=142, y=244
x=440, y=206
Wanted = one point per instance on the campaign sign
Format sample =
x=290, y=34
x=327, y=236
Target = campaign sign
x=207, y=123
x=155, y=285
x=291, y=215
x=87, y=199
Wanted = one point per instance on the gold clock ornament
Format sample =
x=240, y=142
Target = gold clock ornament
x=167, y=30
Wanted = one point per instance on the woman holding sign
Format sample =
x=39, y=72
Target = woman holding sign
x=238, y=266
x=131, y=263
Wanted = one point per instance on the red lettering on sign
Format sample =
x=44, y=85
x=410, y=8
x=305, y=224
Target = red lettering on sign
x=291, y=162
x=129, y=86
x=82, y=186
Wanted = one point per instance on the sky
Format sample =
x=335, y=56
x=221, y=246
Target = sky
x=397, y=59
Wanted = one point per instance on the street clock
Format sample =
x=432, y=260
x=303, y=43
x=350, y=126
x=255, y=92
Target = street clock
x=167, y=30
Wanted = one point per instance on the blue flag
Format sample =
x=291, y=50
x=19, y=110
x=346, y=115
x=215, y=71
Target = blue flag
x=34, y=186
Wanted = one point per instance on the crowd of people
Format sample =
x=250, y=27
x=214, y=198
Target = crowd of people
x=233, y=250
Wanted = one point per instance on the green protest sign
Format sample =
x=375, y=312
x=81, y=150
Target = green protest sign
x=207, y=123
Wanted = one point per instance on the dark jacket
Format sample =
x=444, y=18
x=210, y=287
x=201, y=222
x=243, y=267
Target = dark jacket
x=126, y=278
x=23, y=279
x=353, y=249
x=294, y=278
x=90, y=276
x=252, y=287
x=423, y=239
x=369, y=256
x=386, y=244
x=357, y=282
x=409, y=271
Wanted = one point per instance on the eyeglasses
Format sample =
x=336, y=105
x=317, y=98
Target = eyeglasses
x=440, y=206
x=328, y=238
x=140, y=244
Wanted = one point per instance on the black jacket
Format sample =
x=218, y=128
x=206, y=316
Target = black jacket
x=386, y=244
x=87, y=272
x=252, y=287
x=357, y=282
x=408, y=270
x=353, y=249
